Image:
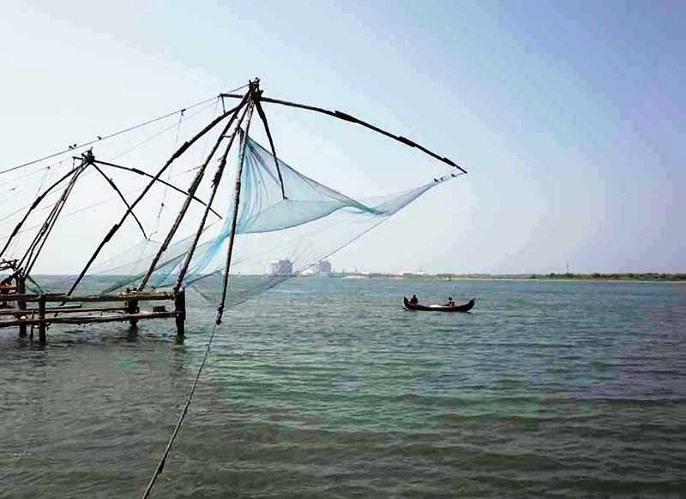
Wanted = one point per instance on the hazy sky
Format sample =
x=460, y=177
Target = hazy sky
x=569, y=115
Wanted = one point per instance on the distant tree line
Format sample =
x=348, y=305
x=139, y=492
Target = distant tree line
x=629, y=276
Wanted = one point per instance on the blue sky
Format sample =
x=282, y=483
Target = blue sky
x=568, y=115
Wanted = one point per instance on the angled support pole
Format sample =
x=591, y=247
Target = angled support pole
x=234, y=218
x=163, y=182
x=263, y=117
x=215, y=186
x=191, y=193
x=121, y=196
x=34, y=205
x=184, y=147
x=29, y=259
x=352, y=119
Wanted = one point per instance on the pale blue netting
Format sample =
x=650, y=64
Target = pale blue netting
x=310, y=224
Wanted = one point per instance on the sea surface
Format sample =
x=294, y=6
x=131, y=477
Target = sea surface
x=328, y=388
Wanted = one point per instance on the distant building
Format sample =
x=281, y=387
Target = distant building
x=280, y=267
x=412, y=273
x=323, y=268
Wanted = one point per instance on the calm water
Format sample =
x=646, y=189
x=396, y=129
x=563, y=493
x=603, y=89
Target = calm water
x=328, y=388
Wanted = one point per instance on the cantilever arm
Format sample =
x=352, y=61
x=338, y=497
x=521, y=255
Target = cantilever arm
x=347, y=117
x=180, y=151
x=263, y=117
x=141, y=172
x=121, y=196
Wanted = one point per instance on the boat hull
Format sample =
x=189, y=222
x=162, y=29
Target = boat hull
x=466, y=307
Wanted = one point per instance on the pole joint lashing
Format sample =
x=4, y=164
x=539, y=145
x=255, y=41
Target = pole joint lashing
x=220, y=314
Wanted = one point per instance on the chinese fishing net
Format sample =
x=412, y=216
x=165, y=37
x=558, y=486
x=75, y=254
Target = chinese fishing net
x=276, y=238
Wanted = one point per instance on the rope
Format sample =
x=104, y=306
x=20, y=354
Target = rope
x=163, y=459
x=161, y=132
x=105, y=137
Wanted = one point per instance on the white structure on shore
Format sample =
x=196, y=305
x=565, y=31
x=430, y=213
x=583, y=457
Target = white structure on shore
x=280, y=267
x=323, y=268
x=319, y=269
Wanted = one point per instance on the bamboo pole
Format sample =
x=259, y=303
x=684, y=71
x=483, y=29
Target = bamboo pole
x=215, y=186
x=184, y=209
x=263, y=117
x=234, y=218
x=351, y=119
x=121, y=196
x=34, y=205
x=184, y=147
x=29, y=259
x=48, y=226
x=163, y=182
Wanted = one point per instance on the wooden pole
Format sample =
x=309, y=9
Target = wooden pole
x=163, y=182
x=90, y=319
x=21, y=304
x=236, y=201
x=263, y=117
x=180, y=313
x=65, y=310
x=352, y=119
x=59, y=297
x=184, y=209
x=132, y=308
x=42, y=324
x=34, y=205
x=181, y=150
x=215, y=186
x=32, y=254
x=121, y=196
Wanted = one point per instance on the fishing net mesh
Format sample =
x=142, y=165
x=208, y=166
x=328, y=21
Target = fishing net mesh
x=287, y=223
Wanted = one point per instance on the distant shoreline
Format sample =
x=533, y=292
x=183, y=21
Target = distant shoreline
x=595, y=277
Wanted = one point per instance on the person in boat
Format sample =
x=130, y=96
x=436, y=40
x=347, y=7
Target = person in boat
x=414, y=300
x=451, y=302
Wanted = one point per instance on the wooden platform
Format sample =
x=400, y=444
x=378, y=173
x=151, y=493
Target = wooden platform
x=68, y=310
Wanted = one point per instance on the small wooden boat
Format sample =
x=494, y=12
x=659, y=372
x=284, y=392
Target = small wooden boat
x=466, y=307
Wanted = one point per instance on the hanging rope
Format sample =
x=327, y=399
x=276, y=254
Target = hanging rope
x=161, y=132
x=177, y=428
x=178, y=127
x=164, y=193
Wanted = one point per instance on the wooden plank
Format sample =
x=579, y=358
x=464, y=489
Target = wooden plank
x=42, y=329
x=60, y=310
x=90, y=319
x=60, y=297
